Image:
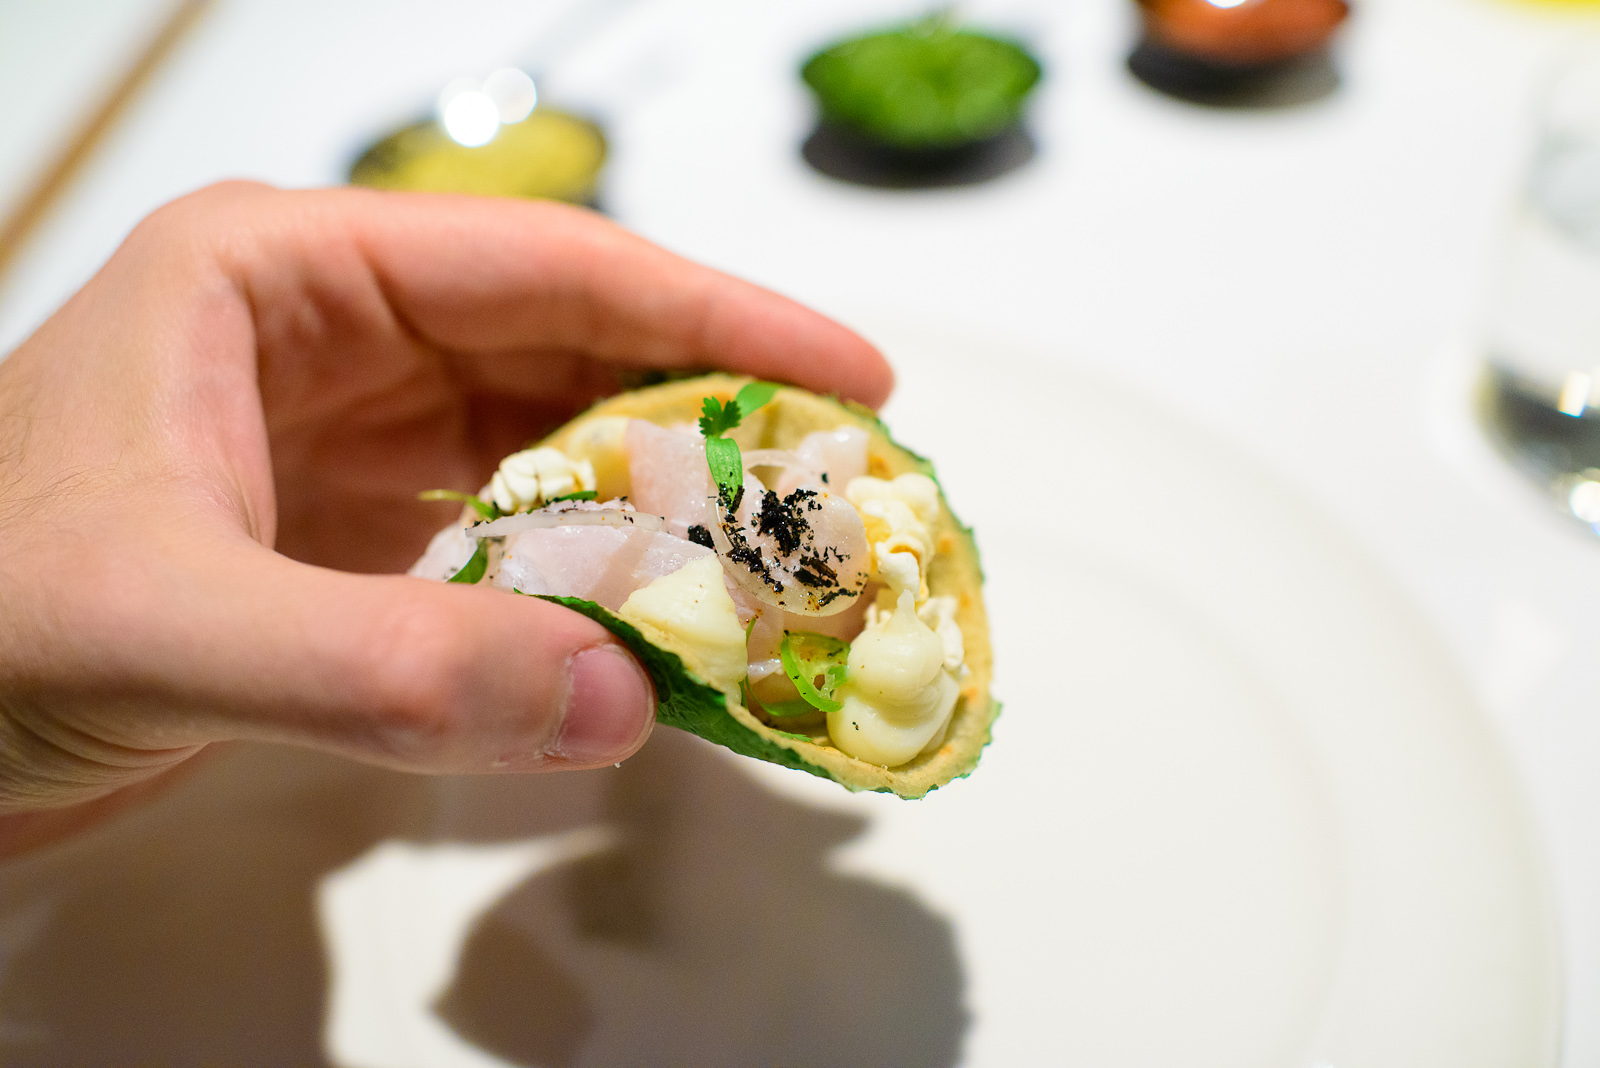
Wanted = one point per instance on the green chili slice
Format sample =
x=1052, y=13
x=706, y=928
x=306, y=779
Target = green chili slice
x=816, y=664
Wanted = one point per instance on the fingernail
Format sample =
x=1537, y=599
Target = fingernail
x=610, y=706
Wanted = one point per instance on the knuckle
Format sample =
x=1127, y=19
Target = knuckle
x=208, y=201
x=183, y=211
x=422, y=674
x=199, y=219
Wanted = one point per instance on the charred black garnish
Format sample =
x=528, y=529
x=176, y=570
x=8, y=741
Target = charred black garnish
x=780, y=518
x=817, y=564
x=783, y=520
x=814, y=572
x=745, y=554
x=782, y=523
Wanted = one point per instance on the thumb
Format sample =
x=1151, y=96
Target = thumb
x=389, y=669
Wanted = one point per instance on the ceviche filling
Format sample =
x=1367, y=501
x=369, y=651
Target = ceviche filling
x=790, y=579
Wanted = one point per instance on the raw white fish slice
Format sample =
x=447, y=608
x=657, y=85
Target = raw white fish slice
x=668, y=473
x=597, y=563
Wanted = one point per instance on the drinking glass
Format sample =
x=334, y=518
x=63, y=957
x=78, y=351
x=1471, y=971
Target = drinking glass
x=1540, y=397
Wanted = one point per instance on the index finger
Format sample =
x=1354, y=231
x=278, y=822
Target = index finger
x=491, y=276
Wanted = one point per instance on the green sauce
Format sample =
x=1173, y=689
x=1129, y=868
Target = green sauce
x=926, y=85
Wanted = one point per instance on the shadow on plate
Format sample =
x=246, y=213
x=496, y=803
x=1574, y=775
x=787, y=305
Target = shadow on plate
x=185, y=934
x=1290, y=83
x=841, y=153
x=712, y=933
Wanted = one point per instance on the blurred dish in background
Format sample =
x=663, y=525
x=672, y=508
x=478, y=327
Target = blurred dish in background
x=1541, y=387
x=490, y=139
x=1250, y=53
x=549, y=155
x=923, y=104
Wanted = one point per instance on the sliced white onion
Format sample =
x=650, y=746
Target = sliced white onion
x=748, y=581
x=570, y=517
x=775, y=458
x=796, y=470
x=790, y=596
x=760, y=669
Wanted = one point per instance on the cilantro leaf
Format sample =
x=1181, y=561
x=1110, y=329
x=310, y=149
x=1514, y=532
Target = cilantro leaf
x=727, y=469
x=754, y=395
x=718, y=418
x=580, y=495
x=474, y=568
x=487, y=509
x=722, y=454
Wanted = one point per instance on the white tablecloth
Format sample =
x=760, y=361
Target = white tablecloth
x=1307, y=283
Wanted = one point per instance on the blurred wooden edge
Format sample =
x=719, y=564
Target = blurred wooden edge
x=54, y=180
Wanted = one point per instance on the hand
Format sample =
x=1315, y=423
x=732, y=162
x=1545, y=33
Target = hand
x=206, y=447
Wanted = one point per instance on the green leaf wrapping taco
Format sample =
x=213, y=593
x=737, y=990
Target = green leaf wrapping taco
x=791, y=578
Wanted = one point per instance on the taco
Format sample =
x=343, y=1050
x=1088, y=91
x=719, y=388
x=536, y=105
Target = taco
x=792, y=579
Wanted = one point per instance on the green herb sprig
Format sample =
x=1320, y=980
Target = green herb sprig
x=722, y=453
x=486, y=509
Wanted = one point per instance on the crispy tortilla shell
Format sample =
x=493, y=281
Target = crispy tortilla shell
x=690, y=703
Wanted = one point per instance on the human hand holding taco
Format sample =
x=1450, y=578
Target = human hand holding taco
x=210, y=455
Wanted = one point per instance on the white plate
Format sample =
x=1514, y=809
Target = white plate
x=1239, y=811
x=1264, y=822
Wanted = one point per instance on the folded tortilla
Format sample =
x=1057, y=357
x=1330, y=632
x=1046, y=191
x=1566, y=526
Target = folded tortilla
x=690, y=703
